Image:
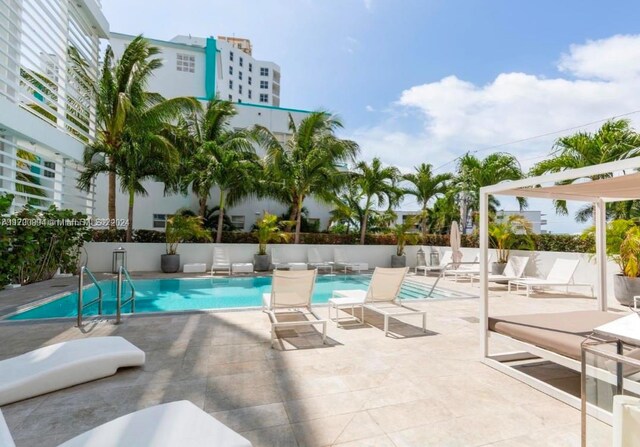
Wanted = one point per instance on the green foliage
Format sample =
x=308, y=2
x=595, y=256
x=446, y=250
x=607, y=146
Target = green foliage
x=404, y=234
x=181, y=228
x=512, y=233
x=623, y=245
x=36, y=243
x=268, y=230
x=425, y=185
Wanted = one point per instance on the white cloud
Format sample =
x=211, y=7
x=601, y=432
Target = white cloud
x=596, y=80
x=368, y=4
x=369, y=108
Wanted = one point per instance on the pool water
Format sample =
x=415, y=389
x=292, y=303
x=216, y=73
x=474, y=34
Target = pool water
x=170, y=295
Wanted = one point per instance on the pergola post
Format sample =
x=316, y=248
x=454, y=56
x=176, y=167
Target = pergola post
x=601, y=253
x=484, y=270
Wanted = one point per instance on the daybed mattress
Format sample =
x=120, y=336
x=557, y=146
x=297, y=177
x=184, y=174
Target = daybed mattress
x=561, y=332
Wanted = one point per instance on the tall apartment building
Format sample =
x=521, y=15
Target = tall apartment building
x=205, y=68
x=45, y=116
x=208, y=67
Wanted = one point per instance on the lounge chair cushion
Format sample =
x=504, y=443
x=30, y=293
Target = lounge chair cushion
x=63, y=365
x=561, y=332
x=174, y=424
x=5, y=437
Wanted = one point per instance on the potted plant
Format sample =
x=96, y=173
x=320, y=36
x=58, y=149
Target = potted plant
x=513, y=232
x=267, y=230
x=623, y=248
x=405, y=234
x=179, y=229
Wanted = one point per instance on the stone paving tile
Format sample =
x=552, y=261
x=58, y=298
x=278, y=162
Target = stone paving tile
x=362, y=390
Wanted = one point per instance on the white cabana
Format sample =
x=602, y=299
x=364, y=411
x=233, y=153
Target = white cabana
x=622, y=183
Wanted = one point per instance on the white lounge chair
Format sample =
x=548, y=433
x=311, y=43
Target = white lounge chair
x=315, y=260
x=446, y=259
x=220, y=260
x=464, y=269
x=512, y=271
x=291, y=291
x=174, y=424
x=561, y=274
x=382, y=296
x=279, y=264
x=341, y=261
x=63, y=365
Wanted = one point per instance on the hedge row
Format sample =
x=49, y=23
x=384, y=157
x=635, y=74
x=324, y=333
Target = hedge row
x=543, y=242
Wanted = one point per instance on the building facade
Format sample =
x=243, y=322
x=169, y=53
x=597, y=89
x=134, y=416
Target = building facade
x=46, y=117
x=536, y=218
x=204, y=68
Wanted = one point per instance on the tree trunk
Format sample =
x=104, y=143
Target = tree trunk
x=202, y=203
x=423, y=224
x=220, y=218
x=363, y=227
x=132, y=196
x=111, y=205
x=298, y=222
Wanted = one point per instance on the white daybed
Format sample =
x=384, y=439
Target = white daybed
x=63, y=365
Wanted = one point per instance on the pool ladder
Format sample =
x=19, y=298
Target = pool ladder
x=122, y=274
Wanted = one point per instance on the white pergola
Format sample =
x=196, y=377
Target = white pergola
x=622, y=185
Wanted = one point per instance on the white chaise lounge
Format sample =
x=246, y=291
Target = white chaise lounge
x=220, y=260
x=315, y=260
x=291, y=291
x=341, y=261
x=279, y=264
x=382, y=296
x=561, y=274
x=465, y=269
x=63, y=365
x=512, y=271
x=174, y=424
x=445, y=262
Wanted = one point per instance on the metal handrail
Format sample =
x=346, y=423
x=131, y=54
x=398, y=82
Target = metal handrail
x=82, y=305
x=132, y=298
x=442, y=273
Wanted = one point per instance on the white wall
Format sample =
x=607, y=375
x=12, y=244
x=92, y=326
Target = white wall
x=146, y=257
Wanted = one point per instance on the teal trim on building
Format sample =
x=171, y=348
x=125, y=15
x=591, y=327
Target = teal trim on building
x=263, y=106
x=211, y=53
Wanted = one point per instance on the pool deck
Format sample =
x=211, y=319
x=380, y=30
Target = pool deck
x=361, y=389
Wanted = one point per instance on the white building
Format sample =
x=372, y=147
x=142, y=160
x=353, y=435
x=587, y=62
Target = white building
x=203, y=68
x=208, y=67
x=45, y=119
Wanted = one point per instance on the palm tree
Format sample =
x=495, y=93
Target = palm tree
x=307, y=164
x=210, y=137
x=377, y=186
x=613, y=141
x=474, y=173
x=118, y=92
x=443, y=212
x=426, y=186
x=144, y=152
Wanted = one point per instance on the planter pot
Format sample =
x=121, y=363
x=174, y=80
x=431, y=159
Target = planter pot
x=170, y=263
x=625, y=288
x=398, y=261
x=497, y=268
x=261, y=263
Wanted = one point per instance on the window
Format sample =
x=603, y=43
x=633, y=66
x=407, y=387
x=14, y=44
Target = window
x=249, y=94
x=160, y=220
x=230, y=69
x=49, y=173
x=185, y=62
x=264, y=97
x=230, y=98
x=264, y=71
x=249, y=80
x=237, y=222
x=240, y=75
x=264, y=84
x=241, y=61
x=250, y=67
x=231, y=84
x=240, y=89
x=231, y=55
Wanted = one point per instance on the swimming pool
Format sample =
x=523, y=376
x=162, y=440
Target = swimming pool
x=173, y=295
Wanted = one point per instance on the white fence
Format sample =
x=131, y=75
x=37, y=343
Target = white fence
x=146, y=257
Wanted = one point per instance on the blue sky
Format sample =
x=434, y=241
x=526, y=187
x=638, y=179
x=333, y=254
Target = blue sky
x=428, y=80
